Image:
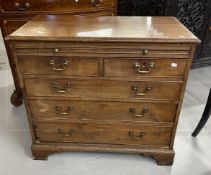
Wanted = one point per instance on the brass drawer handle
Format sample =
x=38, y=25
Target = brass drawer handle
x=142, y=114
x=56, y=50
x=58, y=90
x=146, y=91
x=66, y=134
x=145, y=52
x=18, y=6
x=139, y=136
x=144, y=68
x=96, y=3
x=58, y=66
x=65, y=112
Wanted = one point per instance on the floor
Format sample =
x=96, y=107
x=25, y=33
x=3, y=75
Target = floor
x=193, y=155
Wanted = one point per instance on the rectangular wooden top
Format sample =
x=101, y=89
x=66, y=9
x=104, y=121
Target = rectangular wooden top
x=106, y=28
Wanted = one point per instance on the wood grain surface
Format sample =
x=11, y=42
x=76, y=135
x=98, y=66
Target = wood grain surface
x=48, y=110
x=113, y=28
x=103, y=133
x=102, y=89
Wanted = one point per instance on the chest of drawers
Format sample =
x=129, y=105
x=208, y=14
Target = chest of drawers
x=15, y=13
x=109, y=84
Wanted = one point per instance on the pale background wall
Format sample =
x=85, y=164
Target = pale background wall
x=5, y=74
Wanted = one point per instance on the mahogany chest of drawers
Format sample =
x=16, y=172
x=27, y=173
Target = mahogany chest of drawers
x=15, y=13
x=110, y=84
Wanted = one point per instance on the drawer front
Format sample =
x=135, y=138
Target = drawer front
x=108, y=111
x=110, y=12
x=102, y=89
x=145, y=67
x=133, y=134
x=58, y=66
x=12, y=25
x=54, y=5
x=106, y=50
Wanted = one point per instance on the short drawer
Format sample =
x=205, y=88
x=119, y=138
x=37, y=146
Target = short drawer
x=95, y=88
x=58, y=66
x=145, y=67
x=21, y=6
x=129, y=134
x=102, y=111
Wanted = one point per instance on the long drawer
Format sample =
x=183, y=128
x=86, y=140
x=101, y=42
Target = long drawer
x=95, y=88
x=98, y=110
x=21, y=6
x=145, y=67
x=130, y=134
x=58, y=66
x=105, y=50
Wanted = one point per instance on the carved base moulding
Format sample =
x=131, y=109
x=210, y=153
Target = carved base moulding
x=162, y=156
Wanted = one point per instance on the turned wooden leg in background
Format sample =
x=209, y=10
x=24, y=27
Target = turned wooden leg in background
x=205, y=116
x=16, y=97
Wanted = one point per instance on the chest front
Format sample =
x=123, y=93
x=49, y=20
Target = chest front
x=109, y=94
